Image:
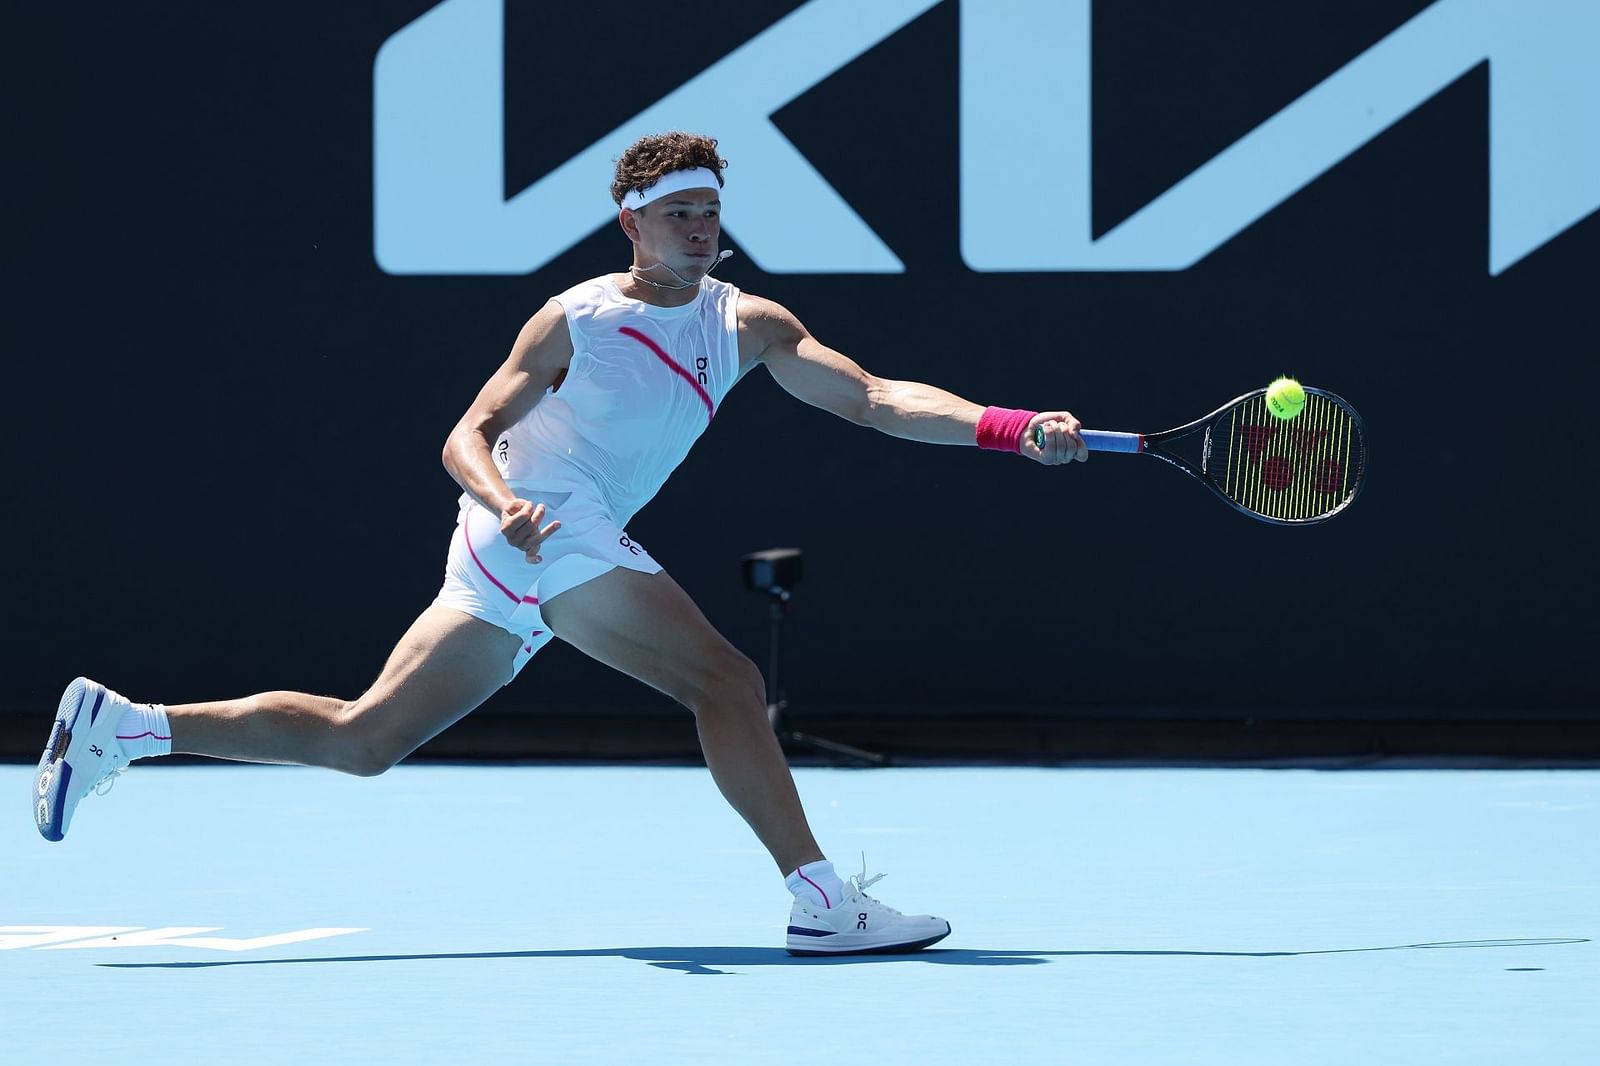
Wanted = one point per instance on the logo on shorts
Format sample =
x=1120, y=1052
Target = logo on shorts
x=630, y=545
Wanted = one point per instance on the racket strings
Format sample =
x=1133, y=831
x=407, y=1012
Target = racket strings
x=1304, y=468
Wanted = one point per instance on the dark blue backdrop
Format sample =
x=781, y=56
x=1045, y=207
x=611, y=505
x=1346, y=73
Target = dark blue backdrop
x=226, y=420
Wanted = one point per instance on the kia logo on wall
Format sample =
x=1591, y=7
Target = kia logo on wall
x=438, y=140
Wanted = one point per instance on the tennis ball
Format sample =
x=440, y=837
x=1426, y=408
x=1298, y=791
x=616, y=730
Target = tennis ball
x=1285, y=398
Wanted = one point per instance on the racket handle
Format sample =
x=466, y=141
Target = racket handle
x=1100, y=440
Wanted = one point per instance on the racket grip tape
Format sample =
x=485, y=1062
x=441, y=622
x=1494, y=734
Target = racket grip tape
x=1100, y=440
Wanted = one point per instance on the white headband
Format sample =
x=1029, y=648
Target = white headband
x=677, y=181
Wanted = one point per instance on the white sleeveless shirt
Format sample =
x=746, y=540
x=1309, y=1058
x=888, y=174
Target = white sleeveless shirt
x=643, y=384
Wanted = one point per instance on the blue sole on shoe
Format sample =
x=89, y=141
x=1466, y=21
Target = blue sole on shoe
x=50, y=794
x=897, y=949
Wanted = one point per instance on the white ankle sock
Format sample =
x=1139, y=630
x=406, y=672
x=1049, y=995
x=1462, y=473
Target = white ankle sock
x=816, y=881
x=144, y=732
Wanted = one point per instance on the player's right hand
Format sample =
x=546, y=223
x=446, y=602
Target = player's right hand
x=1053, y=438
x=519, y=524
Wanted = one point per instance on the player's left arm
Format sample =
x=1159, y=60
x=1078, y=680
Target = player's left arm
x=811, y=371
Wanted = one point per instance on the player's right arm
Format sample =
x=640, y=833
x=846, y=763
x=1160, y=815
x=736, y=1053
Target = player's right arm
x=538, y=359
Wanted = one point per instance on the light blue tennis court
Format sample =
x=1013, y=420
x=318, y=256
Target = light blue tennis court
x=606, y=915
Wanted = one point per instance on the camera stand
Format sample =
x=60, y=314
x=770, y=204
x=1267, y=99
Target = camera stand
x=775, y=572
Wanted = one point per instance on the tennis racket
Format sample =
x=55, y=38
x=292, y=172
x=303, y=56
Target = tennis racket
x=1290, y=472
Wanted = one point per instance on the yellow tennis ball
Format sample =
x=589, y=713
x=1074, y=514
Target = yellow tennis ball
x=1285, y=398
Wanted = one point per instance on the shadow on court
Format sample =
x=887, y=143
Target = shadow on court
x=706, y=960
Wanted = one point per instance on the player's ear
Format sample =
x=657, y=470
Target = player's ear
x=630, y=225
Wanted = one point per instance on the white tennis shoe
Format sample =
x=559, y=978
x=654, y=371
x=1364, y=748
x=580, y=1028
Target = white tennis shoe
x=860, y=925
x=82, y=755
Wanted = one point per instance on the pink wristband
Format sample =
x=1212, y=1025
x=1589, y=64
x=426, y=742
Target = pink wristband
x=1000, y=428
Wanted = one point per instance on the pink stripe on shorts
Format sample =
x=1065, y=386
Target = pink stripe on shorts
x=489, y=579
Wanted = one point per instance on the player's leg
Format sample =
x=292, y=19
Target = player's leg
x=646, y=626
x=444, y=666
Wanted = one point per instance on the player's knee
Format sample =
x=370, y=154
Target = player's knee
x=368, y=762
x=363, y=748
x=731, y=684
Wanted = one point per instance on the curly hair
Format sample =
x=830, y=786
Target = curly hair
x=649, y=159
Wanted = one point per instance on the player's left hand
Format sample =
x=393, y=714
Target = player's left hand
x=519, y=524
x=1063, y=440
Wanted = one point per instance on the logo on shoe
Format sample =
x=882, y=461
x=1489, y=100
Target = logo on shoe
x=42, y=812
x=861, y=920
x=99, y=753
x=46, y=779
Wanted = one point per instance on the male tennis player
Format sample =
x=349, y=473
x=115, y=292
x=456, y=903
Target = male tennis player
x=604, y=392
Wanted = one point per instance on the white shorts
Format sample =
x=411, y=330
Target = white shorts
x=487, y=578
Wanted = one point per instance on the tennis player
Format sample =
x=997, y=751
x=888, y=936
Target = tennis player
x=605, y=390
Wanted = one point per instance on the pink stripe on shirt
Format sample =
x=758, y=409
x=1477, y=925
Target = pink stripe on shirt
x=705, y=397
